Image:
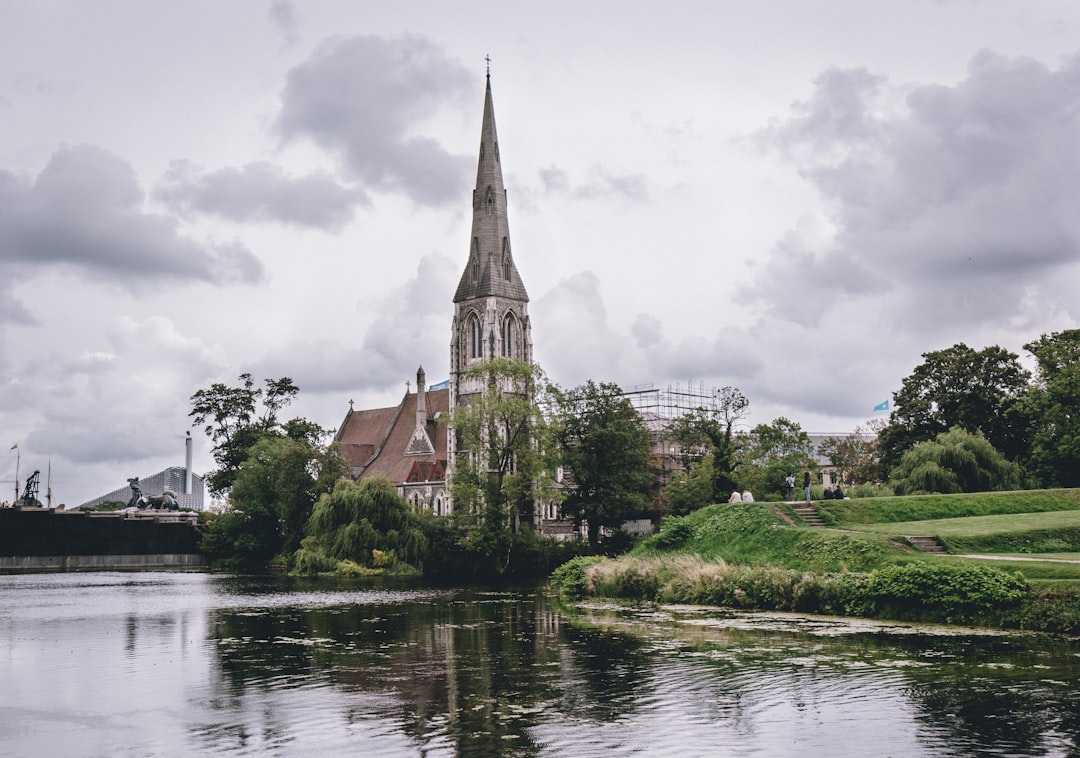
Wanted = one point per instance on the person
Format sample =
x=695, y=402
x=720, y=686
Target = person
x=735, y=497
x=747, y=497
x=806, y=484
x=827, y=494
x=789, y=480
x=838, y=494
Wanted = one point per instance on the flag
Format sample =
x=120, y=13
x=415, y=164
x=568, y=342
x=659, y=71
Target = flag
x=882, y=406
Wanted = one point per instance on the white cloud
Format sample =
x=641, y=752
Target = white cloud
x=84, y=211
x=260, y=191
x=363, y=97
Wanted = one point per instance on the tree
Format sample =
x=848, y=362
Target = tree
x=1053, y=402
x=607, y=447
x=855, y=457
x=708, y=432
x=772, y=451
x=272, y=497
x=504, y=462
x=980, y=391
x=238, y=417
x=955, y=461
x=368, y=523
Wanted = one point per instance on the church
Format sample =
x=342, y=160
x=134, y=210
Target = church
x=407, y=443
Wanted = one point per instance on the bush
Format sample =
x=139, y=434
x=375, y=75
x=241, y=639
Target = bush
x=943, y=592
x=571, y=578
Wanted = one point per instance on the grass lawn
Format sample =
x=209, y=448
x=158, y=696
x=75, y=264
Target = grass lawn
x=976, y=526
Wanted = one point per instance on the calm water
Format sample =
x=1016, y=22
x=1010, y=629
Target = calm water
x=145, y=664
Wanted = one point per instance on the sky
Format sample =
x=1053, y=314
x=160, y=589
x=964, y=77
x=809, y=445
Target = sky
x=796, y=199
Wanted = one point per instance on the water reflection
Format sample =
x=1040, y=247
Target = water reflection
x=160, y=664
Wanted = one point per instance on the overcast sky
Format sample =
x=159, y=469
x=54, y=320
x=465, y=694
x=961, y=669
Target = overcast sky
x=794, y=198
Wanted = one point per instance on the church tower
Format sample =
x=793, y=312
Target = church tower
x=491, y=317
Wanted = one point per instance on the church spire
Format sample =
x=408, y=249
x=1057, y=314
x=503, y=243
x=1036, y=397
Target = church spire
x=490, y=270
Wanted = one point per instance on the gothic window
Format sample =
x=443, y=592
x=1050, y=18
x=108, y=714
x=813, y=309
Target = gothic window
x=481, y=152
x=508, y=335
x=506, y=260
x=474, y=337
x=490, y=202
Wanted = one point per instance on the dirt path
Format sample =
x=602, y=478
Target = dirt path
x=1018, y=558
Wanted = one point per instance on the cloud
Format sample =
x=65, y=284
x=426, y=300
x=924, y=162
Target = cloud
x=362, y=97
x=283, y=14
x=949, y=212
x=84, y=211
x=259, y=191
x=412, y=329
x=116, y=410
x=601, y=183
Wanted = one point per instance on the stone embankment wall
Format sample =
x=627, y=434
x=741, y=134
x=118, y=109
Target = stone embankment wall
x=35, y=539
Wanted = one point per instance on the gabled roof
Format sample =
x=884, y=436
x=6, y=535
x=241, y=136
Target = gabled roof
x=379, y=439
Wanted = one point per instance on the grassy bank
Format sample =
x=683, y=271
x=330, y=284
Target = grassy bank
x=748, y=556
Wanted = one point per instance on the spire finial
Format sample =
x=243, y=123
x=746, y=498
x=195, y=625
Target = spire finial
x=488, y=59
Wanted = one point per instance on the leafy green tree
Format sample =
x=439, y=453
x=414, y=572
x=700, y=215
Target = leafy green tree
x=236, y=418
x=772, y=451
x=606, y=445
x=692, y=490
x=977, y=390
x=1054, y=403
x=504, y=460
x=368, y=523
x=956, y=461
x=708, y=432
x=856, y=457
x=272, y=498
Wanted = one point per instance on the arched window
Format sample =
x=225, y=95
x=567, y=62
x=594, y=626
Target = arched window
x=475, y=343
x=490, y=201
x=506, y=259
x=509, y=334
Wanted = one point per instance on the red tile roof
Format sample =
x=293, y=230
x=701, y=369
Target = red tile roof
x=377, y=439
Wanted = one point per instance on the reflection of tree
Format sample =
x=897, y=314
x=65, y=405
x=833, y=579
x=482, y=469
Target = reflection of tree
x=480, y=670
x=992, y=703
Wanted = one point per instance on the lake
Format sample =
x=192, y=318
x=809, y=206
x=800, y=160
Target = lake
x=168, y=664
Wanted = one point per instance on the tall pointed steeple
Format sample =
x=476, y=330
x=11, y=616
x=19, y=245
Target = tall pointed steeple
x=491, y=318
x=490, y=270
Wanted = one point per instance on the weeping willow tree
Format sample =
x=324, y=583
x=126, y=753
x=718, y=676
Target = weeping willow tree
x=366, y=523
x=956, y=461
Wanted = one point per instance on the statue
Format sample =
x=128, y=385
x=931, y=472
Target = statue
x=166, y=500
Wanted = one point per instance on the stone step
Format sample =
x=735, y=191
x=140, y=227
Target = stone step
x=926, y=544
x=808, y=513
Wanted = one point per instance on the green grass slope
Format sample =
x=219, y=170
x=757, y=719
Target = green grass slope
x=876, y=510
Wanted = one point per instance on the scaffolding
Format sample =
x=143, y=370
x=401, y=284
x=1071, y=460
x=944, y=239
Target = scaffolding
x=673, y=401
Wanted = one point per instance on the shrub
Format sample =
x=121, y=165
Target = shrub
x=571, y=578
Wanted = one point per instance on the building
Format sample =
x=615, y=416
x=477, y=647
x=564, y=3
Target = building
x=411, y=443
x=185, y=484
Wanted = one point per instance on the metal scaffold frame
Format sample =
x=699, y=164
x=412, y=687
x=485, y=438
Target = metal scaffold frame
x=672, y=401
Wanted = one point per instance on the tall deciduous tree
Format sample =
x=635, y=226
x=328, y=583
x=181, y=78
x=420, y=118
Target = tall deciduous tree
x=955, y=461
x=772, y=451
x=708, y=432
x=355, y=520
x=1054, y=402
x=505, y=456
x=606, y=445
x=236, y=418
x=855, y=456
x=272, y=498
x=977, y=390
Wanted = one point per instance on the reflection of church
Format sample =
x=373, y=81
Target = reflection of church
x=407, y=443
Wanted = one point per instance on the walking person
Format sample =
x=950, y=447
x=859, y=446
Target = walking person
x=806, y=484
x=789, y=480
